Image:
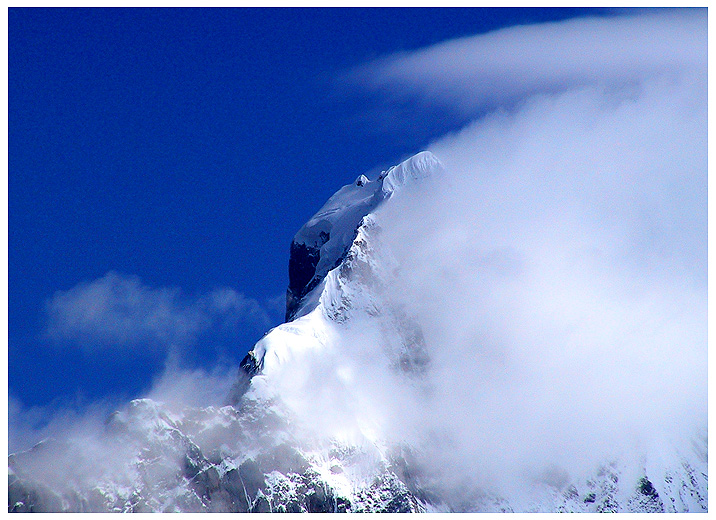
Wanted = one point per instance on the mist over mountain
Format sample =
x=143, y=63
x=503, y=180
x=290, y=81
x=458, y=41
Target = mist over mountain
x=514, y=319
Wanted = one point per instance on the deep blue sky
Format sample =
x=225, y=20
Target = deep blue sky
x=187, y=146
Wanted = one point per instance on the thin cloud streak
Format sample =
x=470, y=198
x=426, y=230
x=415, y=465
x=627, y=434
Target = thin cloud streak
x=485, y=71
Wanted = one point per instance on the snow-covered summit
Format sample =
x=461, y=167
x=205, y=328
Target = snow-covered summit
x=419, y=166
x=322, y=243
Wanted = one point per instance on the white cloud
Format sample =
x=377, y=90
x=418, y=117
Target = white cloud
x=179, y=388
x=559, y=275
x=507, y=65
x=30, y=425
x=119, y=311
x=175, y=387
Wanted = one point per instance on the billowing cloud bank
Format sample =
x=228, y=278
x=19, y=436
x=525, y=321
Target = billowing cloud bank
x=557, y=270
x=559, y=274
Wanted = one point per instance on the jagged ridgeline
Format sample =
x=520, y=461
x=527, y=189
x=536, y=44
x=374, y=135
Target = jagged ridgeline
x=266, y=451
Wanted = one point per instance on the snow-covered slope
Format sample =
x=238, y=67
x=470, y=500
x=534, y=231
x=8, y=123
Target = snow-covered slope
x=307, y=427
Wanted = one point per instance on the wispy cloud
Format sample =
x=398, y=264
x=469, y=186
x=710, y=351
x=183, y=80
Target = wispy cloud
x=30, y=425
x=508, y=65
x=119, y=315
x=119, y=311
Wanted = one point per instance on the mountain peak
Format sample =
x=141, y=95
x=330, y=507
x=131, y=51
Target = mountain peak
x=419, y=166
x=322, y=243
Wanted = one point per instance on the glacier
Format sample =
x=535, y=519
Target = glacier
x=307, y=426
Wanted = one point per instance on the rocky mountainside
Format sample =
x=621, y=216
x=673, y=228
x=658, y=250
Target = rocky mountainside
x=300, y=432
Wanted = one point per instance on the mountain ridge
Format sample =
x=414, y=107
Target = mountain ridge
x=304, y=432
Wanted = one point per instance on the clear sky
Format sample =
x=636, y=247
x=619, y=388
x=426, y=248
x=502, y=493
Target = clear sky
x=160, y=161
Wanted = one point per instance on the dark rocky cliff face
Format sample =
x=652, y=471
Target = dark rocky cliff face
x=301, y=270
